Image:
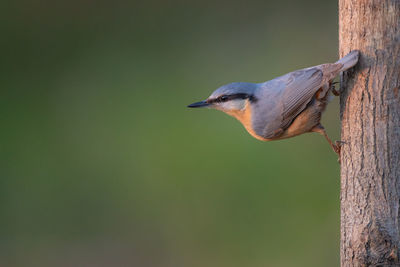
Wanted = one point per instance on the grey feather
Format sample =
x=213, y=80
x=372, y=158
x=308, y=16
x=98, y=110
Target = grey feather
x=349, y=60
x=283, y=99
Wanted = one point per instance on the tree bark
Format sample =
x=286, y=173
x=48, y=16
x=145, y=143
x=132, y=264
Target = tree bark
x=370, y=114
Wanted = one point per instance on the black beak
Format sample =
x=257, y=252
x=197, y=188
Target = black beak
x=200, y=104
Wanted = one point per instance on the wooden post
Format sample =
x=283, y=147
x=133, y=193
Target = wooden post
x=370, y=114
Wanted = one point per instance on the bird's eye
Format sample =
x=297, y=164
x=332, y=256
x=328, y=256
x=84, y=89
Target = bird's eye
x=223, y=98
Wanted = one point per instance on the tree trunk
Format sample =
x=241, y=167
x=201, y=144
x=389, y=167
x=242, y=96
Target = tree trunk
x=370, y=114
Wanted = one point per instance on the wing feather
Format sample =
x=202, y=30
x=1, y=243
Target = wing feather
x=297, y=91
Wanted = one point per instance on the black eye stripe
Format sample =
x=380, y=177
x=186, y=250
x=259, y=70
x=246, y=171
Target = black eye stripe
x=225, y=98
x=240, y=96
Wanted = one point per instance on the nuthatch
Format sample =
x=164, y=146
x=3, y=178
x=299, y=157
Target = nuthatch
x=284, y=107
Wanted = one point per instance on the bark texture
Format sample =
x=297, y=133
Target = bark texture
x=370, y=114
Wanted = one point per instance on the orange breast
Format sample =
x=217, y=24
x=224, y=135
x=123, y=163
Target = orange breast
x=244, y=116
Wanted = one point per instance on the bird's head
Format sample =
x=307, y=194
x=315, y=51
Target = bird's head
x=230, y=98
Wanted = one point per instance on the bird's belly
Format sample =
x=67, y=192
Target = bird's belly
x=306, y=120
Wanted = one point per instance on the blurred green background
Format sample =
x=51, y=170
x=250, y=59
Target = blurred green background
x=102, y=164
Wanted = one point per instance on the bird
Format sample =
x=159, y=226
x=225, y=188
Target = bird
x=284, y=107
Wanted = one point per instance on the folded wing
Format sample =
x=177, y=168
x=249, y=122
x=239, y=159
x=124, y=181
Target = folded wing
x=288, y=96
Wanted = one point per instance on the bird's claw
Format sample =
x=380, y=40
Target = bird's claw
x=333, y=89
x=337, y=147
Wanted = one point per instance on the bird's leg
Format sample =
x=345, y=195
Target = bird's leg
x=335, y=146
x=333, y=89
x=322, y=92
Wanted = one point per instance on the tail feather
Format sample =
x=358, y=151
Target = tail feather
x=349, y=60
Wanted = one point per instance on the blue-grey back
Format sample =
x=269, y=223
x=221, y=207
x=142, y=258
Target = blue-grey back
x=280, y=100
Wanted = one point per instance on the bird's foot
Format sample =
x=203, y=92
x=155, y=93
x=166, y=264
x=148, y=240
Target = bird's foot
x=337, y=147
x=333, y=89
